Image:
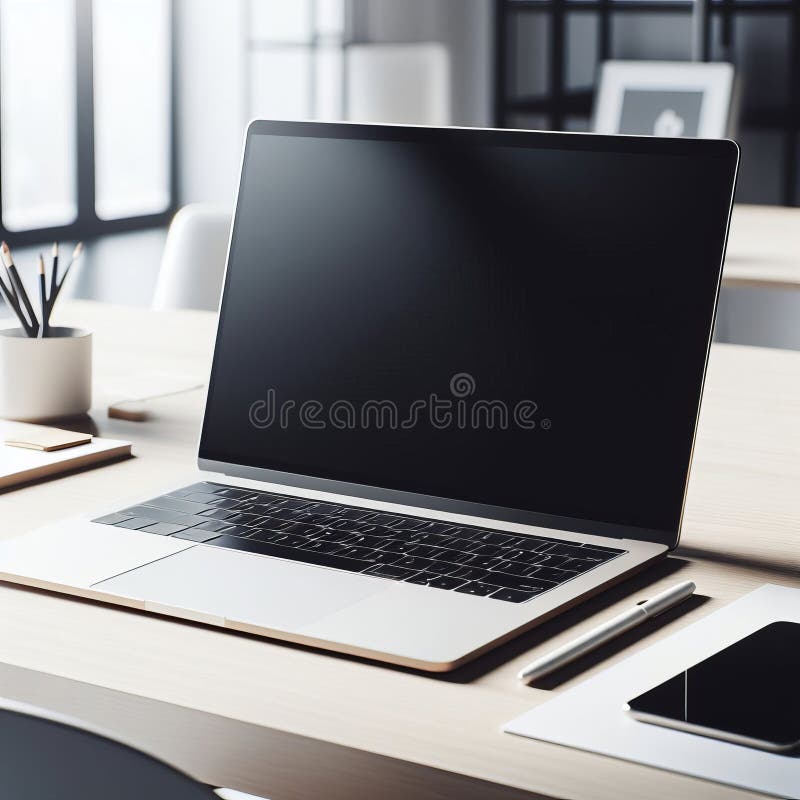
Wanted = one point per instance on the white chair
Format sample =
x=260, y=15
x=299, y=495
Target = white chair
x=194, y=258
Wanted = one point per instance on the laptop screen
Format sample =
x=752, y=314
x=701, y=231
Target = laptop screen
x=516, y=320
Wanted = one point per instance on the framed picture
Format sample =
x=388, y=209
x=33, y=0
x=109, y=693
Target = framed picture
x=665, y=98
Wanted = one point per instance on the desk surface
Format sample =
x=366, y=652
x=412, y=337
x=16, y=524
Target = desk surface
x=290, y=722
x=763, y=248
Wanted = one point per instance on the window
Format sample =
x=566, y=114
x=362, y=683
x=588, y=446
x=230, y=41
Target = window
x=85, y=116
x=296, y=59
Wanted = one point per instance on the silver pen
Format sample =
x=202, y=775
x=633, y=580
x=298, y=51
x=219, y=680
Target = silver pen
x=607, y=631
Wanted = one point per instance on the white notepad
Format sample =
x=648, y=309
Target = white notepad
x=591, y=716
x=19, y=464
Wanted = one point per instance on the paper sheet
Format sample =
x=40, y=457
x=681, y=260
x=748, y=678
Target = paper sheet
x=592, y=715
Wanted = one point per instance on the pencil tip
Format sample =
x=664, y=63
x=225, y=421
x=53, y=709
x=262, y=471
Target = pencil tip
x=6, y=254
x=78, y=250
x=41, y=264
x=55, y=248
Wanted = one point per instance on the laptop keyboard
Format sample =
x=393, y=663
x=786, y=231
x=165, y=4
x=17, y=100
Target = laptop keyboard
x=489, y=563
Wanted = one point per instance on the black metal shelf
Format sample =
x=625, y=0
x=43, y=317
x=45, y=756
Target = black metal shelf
x=558, y=102
x=659, y=6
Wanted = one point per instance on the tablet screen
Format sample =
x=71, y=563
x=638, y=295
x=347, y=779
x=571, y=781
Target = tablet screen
x=748, y=692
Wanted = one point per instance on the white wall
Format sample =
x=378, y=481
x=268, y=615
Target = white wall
x=211, y=98
x=463, y=26
x=212, y=75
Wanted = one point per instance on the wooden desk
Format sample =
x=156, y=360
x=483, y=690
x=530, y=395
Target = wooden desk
x=289, y=722
x=763, y=248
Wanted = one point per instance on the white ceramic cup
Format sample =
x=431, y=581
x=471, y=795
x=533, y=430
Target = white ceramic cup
x=45, y=379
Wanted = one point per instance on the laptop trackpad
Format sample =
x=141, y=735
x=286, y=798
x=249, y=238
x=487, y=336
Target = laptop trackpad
x=217, y=584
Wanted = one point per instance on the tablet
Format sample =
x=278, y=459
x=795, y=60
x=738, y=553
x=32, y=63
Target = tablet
x=748, y=693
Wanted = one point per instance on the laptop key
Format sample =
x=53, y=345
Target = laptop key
x=490, y=537
x=205, y=498
x=437, y=539
x=323, y=508
x=303, y=529
x=365, y=527
x=355, y=513
x=226, y=502
x=333, y=560
x=311, y=519
x=289, y=503
x=515, y=567
x=484, y=562
x=208, y=488
x=571, y=550
x=153, y=513
x=194, y=535
x=241, y=518
x=357, y=552
x=113, y=519
x=552, y=574
x=443, y=567
x=292, y=540
x=238, y=530
x=436, y=581
x=390, y=520
x=395, y=546
x=521, y=583
x=513, y=596
x=596, y=555
x=213, y=525
x=236, y=494
x=216, y=513
x=362, y=540
x=579, y=564
x=544, y=560
x=436, y=527
x=531, y=543
x=601, y=549
x=470, y=573
x=136, y=523
x=167, y=529
x=261, y=535
x=462, y=533
x=477, y=588
x=453, y=556
x=176, y=504
x=486, y=550
x=522, y=556
x=414, y=562
x=323, y=547
x=389, y=571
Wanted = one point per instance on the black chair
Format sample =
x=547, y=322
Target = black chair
x=44, y=756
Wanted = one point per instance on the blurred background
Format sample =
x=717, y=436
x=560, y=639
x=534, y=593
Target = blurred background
x=114, y=114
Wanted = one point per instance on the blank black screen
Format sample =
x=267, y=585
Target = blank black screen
x=574, y=275
x=748, y=689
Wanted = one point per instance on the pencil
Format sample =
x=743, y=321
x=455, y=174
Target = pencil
x=17, y=284
x=76, y=254
x=43, y=298
x=11, y=299
x=54, y=272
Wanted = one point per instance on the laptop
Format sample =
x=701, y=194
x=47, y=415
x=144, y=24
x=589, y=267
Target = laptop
x=455, y=390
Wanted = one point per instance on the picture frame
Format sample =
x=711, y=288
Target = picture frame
x=666, y=98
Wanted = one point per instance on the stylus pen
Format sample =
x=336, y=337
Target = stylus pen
x=607, y=631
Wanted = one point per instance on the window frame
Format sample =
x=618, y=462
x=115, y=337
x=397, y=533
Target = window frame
x=87, y=224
